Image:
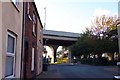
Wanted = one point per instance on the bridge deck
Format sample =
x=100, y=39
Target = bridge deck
x=59, y=38
x=61, y=33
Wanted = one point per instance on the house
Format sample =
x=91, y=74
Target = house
x=33, y=42
x=21, y=39
x=10, y=38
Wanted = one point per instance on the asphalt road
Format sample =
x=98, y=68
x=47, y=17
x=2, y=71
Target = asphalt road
x=80, y=71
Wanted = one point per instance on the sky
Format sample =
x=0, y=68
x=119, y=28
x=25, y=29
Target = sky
x=73, y=15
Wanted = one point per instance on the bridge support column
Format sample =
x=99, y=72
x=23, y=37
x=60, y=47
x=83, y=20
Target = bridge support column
x=69, y=55
x=54, y=53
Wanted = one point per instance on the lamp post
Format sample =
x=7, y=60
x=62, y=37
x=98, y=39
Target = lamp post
x=118, y=63
x=45, y=51
x=45, y=60
x=45, y=19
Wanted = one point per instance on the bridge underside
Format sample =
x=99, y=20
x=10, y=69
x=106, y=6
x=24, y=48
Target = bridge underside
x=54, y=39
x=57, y=42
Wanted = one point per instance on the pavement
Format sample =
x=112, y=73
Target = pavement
x=78, y=71
x=52, y=72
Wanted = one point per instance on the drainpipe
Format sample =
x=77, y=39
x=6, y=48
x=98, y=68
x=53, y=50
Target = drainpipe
x=22, y=45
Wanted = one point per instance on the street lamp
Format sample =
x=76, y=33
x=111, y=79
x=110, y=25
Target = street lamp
x=45, y=51
x=45, y=60
x=118, y=63
x=45, y=19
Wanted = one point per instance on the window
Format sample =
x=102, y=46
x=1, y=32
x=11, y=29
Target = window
x=28, y=8
x=28, y=11
x=33, y=30
x=33, y=27
x=10, y=56
x=40, y=36
x=34, y=23
x=33, y=57
x=34, y=20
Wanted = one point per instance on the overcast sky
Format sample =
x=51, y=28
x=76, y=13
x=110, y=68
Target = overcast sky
x=73, y=15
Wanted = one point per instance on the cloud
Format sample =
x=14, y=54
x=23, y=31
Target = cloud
x=99, y=12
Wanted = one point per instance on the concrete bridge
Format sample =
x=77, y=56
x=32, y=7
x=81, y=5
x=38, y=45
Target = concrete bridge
x=54, y=39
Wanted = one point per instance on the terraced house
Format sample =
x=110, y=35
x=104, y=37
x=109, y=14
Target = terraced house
x=33, y=41
x=20, y=40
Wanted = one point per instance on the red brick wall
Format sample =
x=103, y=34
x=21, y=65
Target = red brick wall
x=30, y=41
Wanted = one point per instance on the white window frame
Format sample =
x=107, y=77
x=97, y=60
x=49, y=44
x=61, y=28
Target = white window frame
x=28, y=8
x=34, y=20
x=11, y=54
x=33, y=28
x=34, y=25
x=33, y=59
x=28, y=11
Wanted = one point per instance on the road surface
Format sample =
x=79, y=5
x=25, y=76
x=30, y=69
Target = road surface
x=80, y=71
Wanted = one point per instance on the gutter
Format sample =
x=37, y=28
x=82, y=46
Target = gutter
x=22, y=43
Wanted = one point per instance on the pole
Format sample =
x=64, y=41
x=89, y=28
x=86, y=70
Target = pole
x=45, y=19
x=22, y=45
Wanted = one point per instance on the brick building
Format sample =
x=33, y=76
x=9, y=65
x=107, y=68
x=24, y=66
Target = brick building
x=21, y=39
x=33, y=42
